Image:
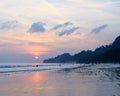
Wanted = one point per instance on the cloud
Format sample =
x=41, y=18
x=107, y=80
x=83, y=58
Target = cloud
x=10, y=25
x=68, y=31
x=61, y=25
x=37, y=43
x=67, y=24
x=115, y=3
x=100, y=28
x=66, y=28
x=16, y=57
x=10, y=44
x=37, y=27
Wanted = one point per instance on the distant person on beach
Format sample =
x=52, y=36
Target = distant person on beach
x=36, y=65
x=60, y=65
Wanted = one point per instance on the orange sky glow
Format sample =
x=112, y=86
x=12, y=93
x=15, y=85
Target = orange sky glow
x=47, y=28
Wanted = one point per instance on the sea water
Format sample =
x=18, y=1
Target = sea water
x=25, y=79
x=27, y=67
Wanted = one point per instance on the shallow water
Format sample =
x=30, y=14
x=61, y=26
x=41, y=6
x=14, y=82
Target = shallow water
x=84, y=81
x=29, y=67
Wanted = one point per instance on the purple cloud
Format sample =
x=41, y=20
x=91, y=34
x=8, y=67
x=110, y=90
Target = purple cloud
x=100, y=28
x=68, y=31
x=37, y=27
x=61, y=25
x=10, y=25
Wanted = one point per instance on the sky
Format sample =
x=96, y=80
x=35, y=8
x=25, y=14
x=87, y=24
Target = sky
x=47, y=28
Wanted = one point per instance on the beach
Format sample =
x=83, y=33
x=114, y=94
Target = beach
x=88, y=80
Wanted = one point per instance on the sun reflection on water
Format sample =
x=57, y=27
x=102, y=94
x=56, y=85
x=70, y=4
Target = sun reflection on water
x=36, y=77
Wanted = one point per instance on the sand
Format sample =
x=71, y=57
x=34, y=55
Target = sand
x=95, y=80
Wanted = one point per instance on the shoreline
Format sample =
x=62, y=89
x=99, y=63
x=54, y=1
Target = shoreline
x=92, y=80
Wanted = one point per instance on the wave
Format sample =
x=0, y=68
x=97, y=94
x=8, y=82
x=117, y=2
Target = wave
x=11, y=68
x=19, y=66
x=33, y=67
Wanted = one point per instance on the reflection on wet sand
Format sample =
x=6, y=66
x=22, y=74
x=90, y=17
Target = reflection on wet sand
x=36, y=77
x=89, y=81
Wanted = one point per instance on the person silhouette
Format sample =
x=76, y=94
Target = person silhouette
x=60, y=65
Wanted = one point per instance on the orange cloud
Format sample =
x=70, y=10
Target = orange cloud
x=35, y=50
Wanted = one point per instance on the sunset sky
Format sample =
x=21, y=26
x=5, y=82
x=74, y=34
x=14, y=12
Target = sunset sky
x=45, y=28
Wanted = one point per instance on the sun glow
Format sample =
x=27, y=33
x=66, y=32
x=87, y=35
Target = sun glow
x=35, y=51
x=36, y=57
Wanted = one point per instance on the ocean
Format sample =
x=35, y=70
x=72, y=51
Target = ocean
x=29, y=67
x=56, y=79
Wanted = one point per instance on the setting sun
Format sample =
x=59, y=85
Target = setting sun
x=36, y=57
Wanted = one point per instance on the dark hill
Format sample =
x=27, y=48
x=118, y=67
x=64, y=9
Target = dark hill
x=116, y=43
x=66, y=57
x=102, y=54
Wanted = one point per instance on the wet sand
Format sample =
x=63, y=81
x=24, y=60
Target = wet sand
x=95, y=80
